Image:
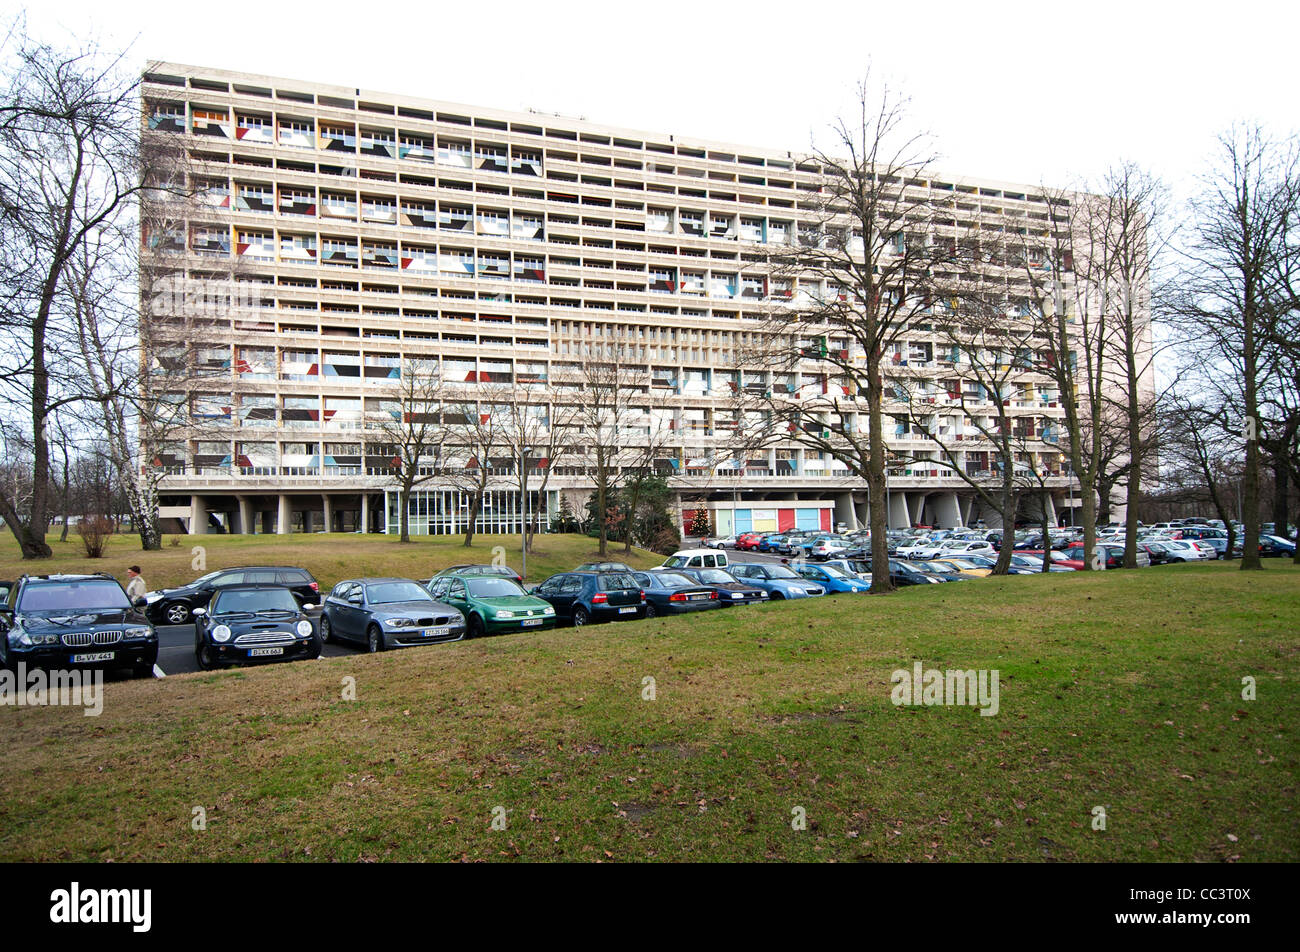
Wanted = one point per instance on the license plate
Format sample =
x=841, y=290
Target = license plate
x=626, y=611
x=264, y=652
x=436, y=632
x=530, y=622
x=96, y=656
x=696, y=598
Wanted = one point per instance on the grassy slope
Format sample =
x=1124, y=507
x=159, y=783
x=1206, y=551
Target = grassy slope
x=328, y=557
x=1119, y=689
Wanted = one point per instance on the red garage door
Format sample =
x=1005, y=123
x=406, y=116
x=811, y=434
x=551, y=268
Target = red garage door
x=785, y=520
x=826, y=520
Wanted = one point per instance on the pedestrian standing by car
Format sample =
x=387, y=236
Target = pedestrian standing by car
x=135, y=588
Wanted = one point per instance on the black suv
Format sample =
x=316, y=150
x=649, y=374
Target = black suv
x=75, y=621
x=175, y=606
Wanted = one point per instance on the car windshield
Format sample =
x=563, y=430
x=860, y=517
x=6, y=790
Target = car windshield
x=835, y=571
x=385, y=592
x=58, y=596
x=676, y=562
x=254, y=600
x=716, y=576
x=780, y=571
x=941, y=568
x=494, y=587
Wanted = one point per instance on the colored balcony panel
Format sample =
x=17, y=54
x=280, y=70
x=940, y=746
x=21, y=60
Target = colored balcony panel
x=339, y=205
x=455, y=154
x=455, y=217
x=297, y=249
x=297, y=201
x=296, y=133
x=167, y=117
x=335, y=138
x=419, y=214
x=254, y=197
x=379, y=142
x=210, y=240
x=379, y=254
x=417, y=147
x=489, y=157
x=212, y=122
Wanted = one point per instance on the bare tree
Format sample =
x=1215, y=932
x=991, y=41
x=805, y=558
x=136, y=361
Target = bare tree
x=1237, y=297
x=68, y=126
x=409, y=426
x=867, y=269
x=609, y=405
x=476, y=428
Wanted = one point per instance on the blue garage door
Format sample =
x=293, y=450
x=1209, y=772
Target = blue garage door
x=807, y=519
x=744, y=520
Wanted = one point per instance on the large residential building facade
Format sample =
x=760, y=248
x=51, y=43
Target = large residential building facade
x=338, y=237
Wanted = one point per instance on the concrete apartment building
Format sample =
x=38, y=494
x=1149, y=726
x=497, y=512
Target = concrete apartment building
x=343, y=233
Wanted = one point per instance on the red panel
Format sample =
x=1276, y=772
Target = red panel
x=785, y=520
x=826, y=520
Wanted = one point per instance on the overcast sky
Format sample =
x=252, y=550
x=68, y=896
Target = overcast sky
x=1019, y=91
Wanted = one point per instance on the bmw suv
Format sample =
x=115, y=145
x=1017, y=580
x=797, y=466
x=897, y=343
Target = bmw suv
x=75, y=621
x=175, y=606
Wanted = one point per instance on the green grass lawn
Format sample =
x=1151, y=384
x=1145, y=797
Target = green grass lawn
x=1117, y=689
x=329, y=557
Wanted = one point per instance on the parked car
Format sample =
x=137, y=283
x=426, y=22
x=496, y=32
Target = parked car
x=726, y=542
x=903, y=572
x=604, y=567
x=770, y=543
x=1058, y=557
x=1112, y=555
x=748, y=540
x=175, y=606
x=731, y=590
x=779, y=581
x=825, y=547
x=383, y=613
x=672, y=593
x=582, y=598
x=252, y=624
x=968, y=566
x=833, y=578
x=944, y=571
x=859, y=566
x=696, y=559
x=504, y=571
x=75, y=621
x=1276, y=546
x=492, y=606
x=1182, y=550
x=1034, y=563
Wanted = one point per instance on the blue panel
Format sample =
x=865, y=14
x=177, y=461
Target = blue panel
x=807, y=519
x=744, y=521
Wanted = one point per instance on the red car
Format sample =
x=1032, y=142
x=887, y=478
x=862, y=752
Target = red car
x=748, y=540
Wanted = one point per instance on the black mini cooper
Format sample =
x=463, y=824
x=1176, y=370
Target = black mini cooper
x=250, y=624
x=75, y=621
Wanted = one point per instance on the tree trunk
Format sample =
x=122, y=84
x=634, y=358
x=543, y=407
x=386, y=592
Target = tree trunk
x=1047, y=537
x=880, y=581
x=404, y=518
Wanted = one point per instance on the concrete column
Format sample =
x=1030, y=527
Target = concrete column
x=307, y=525
x=844, y=511
x=329, y=512
x=246, y=525
x=198, y=516
x=282, y=516
x=1050, y=506
x=898, y=514
x=946, y=510
x=365, y=513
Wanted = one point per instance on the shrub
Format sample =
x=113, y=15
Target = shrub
x=95, y=532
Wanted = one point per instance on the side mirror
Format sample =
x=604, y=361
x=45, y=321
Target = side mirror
x=199, y=612
x=308, y=606
x=140, y=602
x=354, y=600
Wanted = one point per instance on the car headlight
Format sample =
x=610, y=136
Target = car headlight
x=548, y=610
x=140, y=632
x=504, y=613
x=762, y=594
x=221, y=633
x=400, y=622
x=304, y=628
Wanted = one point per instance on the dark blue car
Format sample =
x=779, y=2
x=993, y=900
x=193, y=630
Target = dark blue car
x=585, y=597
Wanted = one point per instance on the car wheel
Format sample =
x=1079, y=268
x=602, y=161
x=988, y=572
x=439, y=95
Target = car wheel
x=204, y=658
x=580, y=617
x=177, y=613
x=651, y=611
x=374, y=639
x=475, y=627
x=326, y=634
x=777, y=596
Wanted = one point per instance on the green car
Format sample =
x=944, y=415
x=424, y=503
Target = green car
x=491, y=604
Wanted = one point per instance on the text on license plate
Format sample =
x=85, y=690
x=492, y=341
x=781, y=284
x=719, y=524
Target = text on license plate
x=96, y=656
x=626, y=611
x=529, y=622
x=264, y=652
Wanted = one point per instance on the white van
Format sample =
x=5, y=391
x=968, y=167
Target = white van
x=696, y=559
